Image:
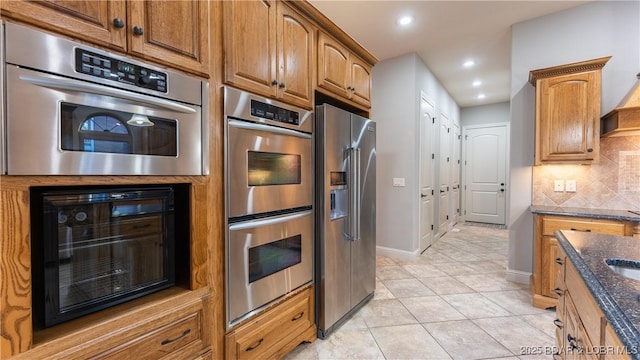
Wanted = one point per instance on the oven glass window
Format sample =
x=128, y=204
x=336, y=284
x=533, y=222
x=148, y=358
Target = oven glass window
x=270, y=258
x=267, y=168
x=91, y=129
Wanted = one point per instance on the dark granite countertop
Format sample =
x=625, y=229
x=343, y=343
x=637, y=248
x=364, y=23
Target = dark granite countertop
x=617, y=296
x=586, y=212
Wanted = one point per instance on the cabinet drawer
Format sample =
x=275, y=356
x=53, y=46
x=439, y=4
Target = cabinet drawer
x=162, y=341
x=264, y=336
x=611, y=227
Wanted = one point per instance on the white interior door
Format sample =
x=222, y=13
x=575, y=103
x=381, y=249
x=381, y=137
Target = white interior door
x=456, y=141
x=427, y=161
x=485, y=174
x=444, y=170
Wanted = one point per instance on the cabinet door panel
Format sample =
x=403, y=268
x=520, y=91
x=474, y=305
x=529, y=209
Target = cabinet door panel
x=360, y=82
x=173, y=31
x=333, y=65
x=569, y=131
x=295, y=56
x=250, y=45
x=91, y=19
x=550, y=249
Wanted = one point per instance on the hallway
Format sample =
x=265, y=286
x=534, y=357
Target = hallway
x=453, y=302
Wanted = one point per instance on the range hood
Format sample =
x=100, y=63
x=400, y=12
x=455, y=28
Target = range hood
x=624, y=120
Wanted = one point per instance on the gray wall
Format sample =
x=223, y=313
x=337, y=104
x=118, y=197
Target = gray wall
x=397, y=85
x=485, y=114
x=606, y=28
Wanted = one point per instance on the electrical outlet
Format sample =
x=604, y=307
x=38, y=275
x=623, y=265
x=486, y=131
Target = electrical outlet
x=570, y=185
x=558, y=185
x=398, y=182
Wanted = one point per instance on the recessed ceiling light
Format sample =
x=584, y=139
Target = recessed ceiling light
x=476, y=83
x=405, y=20
x=468, y=63
x=481, y=96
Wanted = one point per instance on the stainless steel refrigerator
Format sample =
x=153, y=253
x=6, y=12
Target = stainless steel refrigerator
x=345, y=208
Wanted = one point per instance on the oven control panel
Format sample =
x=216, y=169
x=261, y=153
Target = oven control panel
x=105, y=67
x=275, y=113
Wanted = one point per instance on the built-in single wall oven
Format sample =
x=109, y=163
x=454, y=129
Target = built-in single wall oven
x=76, y=110
x=269, y=196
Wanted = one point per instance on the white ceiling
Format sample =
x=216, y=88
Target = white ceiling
x=444, y=34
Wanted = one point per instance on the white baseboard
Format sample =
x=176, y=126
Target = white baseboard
x=397, y=254
x=516, y=276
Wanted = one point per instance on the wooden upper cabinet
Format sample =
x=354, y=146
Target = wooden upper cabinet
x=568, y=112
x=94, y=20
x=268, y=50
x=295, y=57
x=343, y=73
x=174, y=33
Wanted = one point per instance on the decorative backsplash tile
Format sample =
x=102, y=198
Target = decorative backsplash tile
x=612, y=183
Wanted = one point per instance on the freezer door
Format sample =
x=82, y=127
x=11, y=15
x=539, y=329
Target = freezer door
x=363, y=250
x=333, y=249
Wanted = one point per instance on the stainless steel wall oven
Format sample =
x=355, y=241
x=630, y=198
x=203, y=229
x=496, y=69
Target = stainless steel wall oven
x=94, y=248
x=76, y=110
x=269, y=196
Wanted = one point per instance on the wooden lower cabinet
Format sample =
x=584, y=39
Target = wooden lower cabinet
x=274, y=333
x=173, y=326
x=545, y=268
x=582, y=331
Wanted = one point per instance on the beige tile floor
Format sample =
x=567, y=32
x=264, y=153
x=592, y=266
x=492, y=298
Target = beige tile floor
x=453, y=302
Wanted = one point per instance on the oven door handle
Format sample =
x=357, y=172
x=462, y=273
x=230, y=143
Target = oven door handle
x=272, y=129
x=250, y=224
x=80, y=86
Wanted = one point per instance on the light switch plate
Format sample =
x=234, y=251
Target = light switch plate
x=398, y=182
x=558, y=185
x=570, y=186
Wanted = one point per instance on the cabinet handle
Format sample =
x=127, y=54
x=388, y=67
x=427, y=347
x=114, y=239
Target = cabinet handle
x=168, y=341
x=557, y=323
x=584, y=230
x=559, y=261
x=137, y=30
x=118, y=23
x=558, y=291
x=252, y=347
x=274, y=82
x=281, y=86
x=297, y=317
x=589, y=150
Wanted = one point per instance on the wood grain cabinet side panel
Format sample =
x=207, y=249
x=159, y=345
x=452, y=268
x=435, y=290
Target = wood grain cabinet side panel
x=15, y=273
x=89, y=20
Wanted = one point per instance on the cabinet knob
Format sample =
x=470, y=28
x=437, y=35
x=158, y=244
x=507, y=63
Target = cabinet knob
x=274, y=82
x=137, y=31
x=589, y=150
x=559, y=261
x=281, y=86
x=118, y=23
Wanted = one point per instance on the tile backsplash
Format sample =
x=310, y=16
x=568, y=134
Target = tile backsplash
x=612, y=183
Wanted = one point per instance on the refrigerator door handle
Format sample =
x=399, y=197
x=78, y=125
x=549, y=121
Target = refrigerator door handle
x=357, y=191
x=353, y=219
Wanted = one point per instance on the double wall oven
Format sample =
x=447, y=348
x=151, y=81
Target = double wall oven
x=269, y=188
